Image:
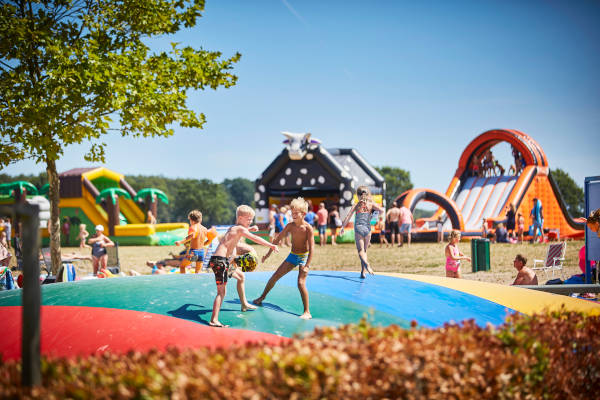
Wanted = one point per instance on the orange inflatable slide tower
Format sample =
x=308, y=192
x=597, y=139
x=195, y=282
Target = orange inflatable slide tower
x=472, y=199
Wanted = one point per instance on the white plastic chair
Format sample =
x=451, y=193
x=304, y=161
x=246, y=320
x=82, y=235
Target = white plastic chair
x=554, y=259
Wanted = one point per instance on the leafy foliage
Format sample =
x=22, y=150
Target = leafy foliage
x=72, y=70
x=397, y=181
x=571, y=193
x=240, y=190
x=543, y=356
x=69, y=68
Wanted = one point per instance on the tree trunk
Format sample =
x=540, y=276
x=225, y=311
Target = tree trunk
x=54, y=223
x=153, y=201
x=113, y=216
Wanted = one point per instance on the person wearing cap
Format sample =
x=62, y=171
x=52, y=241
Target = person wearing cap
x=99, y=243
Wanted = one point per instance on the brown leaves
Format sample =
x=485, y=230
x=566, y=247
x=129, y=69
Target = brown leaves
x=554, y=356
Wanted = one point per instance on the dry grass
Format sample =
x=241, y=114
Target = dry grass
x=420, y=258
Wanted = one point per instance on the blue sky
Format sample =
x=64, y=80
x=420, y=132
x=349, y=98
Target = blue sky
x=408, y=84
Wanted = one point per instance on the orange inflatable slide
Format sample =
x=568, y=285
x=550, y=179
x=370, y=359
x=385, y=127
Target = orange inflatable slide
x=473, y=197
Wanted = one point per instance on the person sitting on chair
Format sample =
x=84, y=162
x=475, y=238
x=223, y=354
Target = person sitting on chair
x=525, y=275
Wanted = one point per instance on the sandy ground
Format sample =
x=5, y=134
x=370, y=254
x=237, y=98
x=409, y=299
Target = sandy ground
x=419, y=258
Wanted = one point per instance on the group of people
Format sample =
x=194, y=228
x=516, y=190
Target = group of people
x=233, y=257
x=280, y=217
x=525, y=275
x=514, y=229
x=488, y=165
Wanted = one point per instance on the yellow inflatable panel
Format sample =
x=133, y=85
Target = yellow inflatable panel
x=131, y=211
x=170, y=226
x=98, y=172
x=95, y=213
x=526, y=301
x=134, y=230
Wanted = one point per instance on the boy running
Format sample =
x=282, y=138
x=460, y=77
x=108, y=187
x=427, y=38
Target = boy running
x=197, y=236
x=303, y=243
x=220, y=264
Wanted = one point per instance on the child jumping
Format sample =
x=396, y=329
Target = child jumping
x=454, y=255
x=83, y=235
x=303, y=243
x=362, y=226
x=197, y=236
x=219, y=262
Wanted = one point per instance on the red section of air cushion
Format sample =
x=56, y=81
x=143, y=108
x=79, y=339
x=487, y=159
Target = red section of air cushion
x=68, y=331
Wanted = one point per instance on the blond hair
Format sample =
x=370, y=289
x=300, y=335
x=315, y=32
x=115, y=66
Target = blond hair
x=195, y=215
x=244, y=210
x=454, y=234
x=594, y=217
x=299, y=204
x=81, y=227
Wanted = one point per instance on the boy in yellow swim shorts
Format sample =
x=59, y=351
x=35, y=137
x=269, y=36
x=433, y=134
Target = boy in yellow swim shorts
x=303, y=243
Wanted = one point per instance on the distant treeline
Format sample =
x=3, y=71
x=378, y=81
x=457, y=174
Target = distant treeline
x=218, y=201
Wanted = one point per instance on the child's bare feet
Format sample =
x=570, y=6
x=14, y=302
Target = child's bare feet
x=370, y=270
x=258, y=301
x=247, y=307
x=306, y=315
x=217, y=324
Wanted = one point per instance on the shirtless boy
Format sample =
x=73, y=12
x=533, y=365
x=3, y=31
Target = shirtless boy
x=197, y=236
x=220, y=264
x=303, y=243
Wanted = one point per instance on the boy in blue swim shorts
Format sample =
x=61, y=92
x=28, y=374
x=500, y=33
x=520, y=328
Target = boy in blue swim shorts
x=303, y=243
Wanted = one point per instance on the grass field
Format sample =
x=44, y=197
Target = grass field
x=420, y=258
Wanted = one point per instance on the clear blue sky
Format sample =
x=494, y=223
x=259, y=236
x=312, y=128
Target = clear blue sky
x=407, y=83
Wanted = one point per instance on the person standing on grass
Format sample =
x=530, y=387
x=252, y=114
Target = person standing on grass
x=520, y=227
x=392, y=218
x=439, y=225
x=334, y=223
x=362, y=226
x=510, y=220
x=322, y=215
x=272, y=221
x=381, y=228
x=303, y=243
x=99, y=243
x=454, y=256
x=537, y=219
x=406, y=222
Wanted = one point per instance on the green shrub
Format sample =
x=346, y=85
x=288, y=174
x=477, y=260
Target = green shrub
x=543, y=356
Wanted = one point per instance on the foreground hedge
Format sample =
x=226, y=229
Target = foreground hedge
x=545, y=356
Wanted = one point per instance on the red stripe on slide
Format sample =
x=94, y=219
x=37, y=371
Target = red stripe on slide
x=68, y=331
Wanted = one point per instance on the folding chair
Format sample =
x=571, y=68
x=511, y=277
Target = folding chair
x=554, y=259
x=66, y=271
x=113, y=264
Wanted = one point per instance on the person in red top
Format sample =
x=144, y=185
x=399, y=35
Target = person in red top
x=195, y=240
x=322, y=215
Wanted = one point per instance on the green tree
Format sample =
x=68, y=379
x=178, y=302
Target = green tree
x=240, y=190
x=73, y=70
x=210, y=198
x=397, y=181
x=571, y=193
